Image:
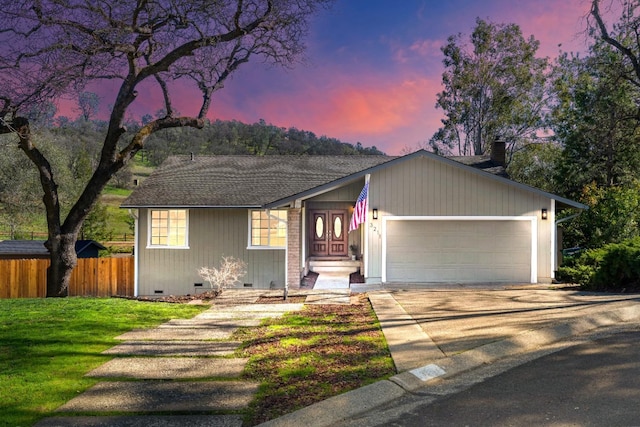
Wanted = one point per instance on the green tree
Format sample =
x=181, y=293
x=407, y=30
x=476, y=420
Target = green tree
x=88, y=103
x=536, y=165
x=594, y=115
x=613, y=216
x=95, y=225
x=52, y=49
x=493, y=88
x=20, y=194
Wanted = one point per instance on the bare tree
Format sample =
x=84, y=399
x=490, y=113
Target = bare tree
x=623, y=35
x=50, y=49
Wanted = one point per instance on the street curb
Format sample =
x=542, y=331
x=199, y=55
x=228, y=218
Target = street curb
x=336, y=408
x=359, y=401
x=489, y=353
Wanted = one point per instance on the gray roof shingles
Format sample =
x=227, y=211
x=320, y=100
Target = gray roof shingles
x=242, y=181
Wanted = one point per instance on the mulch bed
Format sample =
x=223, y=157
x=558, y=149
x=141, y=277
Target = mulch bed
x=309, y=280
x=205, y=297
x=356, y=278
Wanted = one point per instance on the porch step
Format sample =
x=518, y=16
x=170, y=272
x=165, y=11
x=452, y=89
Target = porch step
x=334, y=266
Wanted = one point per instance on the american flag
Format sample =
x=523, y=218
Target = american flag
x=360, y=209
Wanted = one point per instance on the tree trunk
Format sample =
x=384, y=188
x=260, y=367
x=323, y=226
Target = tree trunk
x=63, y=261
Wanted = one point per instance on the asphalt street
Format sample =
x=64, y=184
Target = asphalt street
x=592, y=381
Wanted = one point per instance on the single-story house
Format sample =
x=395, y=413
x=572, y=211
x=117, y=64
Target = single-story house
x=429, y=219
x=35, y=249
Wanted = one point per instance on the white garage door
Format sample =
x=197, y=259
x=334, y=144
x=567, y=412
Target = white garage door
x=458, y=251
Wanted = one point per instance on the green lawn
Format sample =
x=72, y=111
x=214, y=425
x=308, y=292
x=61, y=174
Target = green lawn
x=47, y=345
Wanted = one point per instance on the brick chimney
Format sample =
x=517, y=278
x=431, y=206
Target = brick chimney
x=498, y=152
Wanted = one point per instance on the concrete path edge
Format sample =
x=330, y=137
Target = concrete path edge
x=359, y=401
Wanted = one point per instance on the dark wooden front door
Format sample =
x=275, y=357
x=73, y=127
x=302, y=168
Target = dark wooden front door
x=328, y=233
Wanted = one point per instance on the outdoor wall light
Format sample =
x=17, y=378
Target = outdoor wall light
x=375, y=213
x=544, y=214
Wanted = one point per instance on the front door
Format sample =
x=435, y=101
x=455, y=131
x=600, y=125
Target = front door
x=328, y=233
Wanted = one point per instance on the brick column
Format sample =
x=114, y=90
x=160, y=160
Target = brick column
x=294, y=219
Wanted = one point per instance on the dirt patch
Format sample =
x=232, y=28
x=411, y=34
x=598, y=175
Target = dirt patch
x=295, y=299
x=309, y=280
x=356, y=278
x=204, y=298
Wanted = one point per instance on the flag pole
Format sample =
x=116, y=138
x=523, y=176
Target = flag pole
x=365, y=231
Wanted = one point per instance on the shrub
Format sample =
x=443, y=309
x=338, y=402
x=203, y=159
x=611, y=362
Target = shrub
x=613, y=267
x=230, y=271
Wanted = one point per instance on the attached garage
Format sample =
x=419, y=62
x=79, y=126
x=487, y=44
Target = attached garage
x=459, y=249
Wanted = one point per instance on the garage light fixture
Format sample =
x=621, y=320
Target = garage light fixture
x=375, y=213
x=544, y=214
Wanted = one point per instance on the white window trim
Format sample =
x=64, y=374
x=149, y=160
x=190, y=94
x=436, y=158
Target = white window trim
x=262, y=247
x=151, y=246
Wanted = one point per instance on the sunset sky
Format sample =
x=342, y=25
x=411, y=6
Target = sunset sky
x=374, y=67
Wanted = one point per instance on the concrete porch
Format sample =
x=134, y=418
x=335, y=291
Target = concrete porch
x=333, y=273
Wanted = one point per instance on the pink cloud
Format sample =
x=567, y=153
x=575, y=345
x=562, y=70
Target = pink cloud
x=375, y=109
x=387, y=101
x=550, y=22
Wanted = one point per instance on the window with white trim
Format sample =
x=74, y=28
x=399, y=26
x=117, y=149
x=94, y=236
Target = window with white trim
x=268, y=229
x=168, y=228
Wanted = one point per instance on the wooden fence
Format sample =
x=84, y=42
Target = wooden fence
x=98, y=277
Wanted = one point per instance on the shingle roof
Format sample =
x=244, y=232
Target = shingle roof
x=36, y=247
x=23, y=247
x=482, y=162
x=242, y=181
x=258, y=181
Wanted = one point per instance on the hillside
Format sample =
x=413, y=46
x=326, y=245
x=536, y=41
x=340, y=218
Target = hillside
x=74, y=146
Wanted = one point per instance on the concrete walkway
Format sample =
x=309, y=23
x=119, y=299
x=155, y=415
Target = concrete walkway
x=332, y=281
x=152, y=375
x=432, y=332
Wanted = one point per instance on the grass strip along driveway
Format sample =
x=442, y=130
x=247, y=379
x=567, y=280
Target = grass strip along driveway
x=47, y=345
x=310, y=355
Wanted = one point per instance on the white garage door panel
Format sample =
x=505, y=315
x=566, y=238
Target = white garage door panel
x=458, y=251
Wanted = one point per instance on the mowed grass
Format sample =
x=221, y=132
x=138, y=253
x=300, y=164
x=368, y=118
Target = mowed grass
x=47, y=345
x=308, y=356
x=117, y=218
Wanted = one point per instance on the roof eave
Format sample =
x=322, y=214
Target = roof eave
x=143, y=206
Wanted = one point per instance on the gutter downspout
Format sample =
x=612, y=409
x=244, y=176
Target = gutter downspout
x=558, y=221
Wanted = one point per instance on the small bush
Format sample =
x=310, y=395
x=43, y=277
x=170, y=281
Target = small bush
x=230, y=271
x=614, y=267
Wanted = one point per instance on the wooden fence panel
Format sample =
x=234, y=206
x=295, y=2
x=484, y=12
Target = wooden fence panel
x=23, y=278
x=99, y=277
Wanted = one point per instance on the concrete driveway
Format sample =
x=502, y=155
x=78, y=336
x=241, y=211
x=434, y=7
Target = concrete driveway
x=437, y=332
x=462, y=318
x=423, y=323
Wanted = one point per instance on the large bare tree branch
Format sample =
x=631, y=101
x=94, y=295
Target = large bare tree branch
x=55, y=47
x=604, y=33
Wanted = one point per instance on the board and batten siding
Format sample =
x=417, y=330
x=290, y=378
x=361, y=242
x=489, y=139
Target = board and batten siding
x=427, y=187
x=347, y=194
x=213, y=233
